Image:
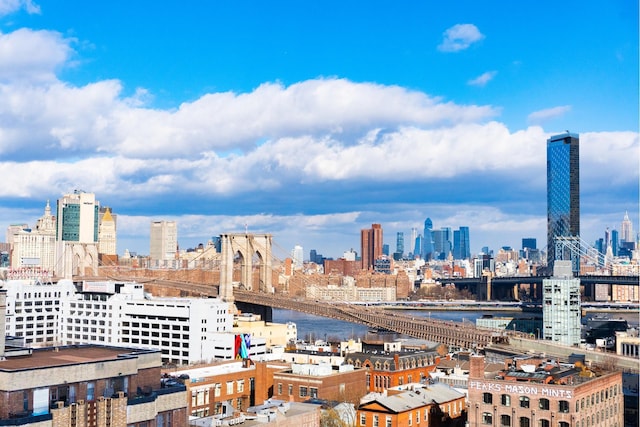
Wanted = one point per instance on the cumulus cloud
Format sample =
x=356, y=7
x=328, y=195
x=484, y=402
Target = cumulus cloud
x=28, y=56
x=460, y=37
x=482, y=79
x=541, y=116
x=10, y=6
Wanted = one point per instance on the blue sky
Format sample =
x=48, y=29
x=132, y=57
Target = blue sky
x=312, y=120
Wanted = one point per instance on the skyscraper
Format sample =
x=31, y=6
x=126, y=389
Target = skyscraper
x=427, y=242
x=163, y=240
x=461, y=243
x=563, y=193
x=370, y=245
x=399, y=245
x=107, y=237
x=626, y=229
x=296, y=256
x=441, y=243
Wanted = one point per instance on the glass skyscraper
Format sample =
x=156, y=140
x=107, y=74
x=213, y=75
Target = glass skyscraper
x=563, y=192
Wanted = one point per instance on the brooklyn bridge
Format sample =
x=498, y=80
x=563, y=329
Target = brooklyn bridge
x=244, y=273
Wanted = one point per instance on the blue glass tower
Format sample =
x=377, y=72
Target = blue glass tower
x=461, y=243
x=563, y=192
x=427, y=242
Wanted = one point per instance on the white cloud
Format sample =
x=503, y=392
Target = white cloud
x=541, y=116
x=10, y=6
x=28, y=56
x=482, y=79
x=460, y=37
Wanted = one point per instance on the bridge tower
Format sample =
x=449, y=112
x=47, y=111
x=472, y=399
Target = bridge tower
x=245, y=246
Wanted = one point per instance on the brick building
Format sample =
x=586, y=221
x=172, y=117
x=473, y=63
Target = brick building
x=423, y=405
x=532, y=391
x=227, y=387
x=88, y=386
x=320, y=381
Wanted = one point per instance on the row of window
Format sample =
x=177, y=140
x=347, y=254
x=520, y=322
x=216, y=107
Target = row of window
x=505, y=420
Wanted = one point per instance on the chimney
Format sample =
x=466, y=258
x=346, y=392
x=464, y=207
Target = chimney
x=476, y=366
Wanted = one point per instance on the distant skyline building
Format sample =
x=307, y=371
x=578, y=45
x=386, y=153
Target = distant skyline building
x=428, y=241
x=529, y=243
x=563, y=193
x=163, y=240
x=442, y=243
x=77, y=224
x=418, y=246
x=461, y=243
x=107, y=237
x=615, y=243
x=626, y=229
x=35, y=249
x=371, y=241
x=297, y=255
x=399, y=245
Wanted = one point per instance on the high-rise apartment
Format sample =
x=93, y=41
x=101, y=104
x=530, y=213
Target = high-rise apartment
x=370, y=245
x=164, y=240
x=563, y=193
x=561, y=311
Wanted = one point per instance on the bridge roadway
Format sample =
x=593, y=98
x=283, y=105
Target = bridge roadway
x=462, y=335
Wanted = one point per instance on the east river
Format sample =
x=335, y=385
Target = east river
x=311, y=328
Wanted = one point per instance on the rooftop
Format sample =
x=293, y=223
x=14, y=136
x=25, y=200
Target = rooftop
x=51, y=357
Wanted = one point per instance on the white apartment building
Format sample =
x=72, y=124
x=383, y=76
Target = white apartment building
x=561, y=312
x=185, y=330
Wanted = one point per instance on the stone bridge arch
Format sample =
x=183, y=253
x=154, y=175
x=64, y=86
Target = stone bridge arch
x=246, y=246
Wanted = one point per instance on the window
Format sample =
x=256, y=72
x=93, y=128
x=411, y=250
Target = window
x=375, y=421
x=90, y=391
x=303, y=391
x=487, y=418
x=279, y=388
x=217, y=389
x=505, y=421
x=505, y=400
x=313, y=392
x=525, y=422
x=363, y=419
x=388, y=422
x=563, y=406
x=487, y=398
x=240, y=386
x=543, y=423
x=229, y=387
x=543, y=404
x=563, y=424
x=524, y=402
x=290, y=390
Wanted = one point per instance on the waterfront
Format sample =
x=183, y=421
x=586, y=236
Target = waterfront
x=312, y=327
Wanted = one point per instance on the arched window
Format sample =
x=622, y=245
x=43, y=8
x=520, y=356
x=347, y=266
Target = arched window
x=543, y=404
x=525, y=422
x=487, y=398
x=543, y=423
x=505, y=421
x=524, y=402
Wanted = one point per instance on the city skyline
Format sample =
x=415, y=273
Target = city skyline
x=269, y=118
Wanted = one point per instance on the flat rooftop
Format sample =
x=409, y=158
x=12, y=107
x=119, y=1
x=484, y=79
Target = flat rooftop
x=51, y=357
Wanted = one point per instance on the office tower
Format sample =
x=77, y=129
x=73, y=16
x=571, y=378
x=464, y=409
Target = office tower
x=412, y=240
x=164, y=240
x=561, y=312
x=614, y=242
x=296, y=256
x=441, y=243
x=626, y=229
x=370, y=245
x=529, y=243
x=427, y=242
x=563, y=194
x=417, y=247
x=385, y=249
x=400, y=243
x=600, y=245
x=107, y=232
x=461, y=243
x=77, y=234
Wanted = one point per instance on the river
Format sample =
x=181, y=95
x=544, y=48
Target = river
x=312, y=327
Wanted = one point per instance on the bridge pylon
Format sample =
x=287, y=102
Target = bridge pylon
x=245, y=246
